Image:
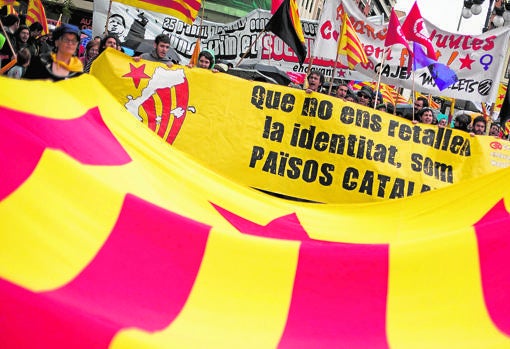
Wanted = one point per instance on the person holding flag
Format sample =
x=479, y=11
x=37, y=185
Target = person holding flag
x=10, y=24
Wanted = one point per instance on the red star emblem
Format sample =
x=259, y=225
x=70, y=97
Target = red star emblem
x=136, y=74
x=466, y=62
x=341, y=73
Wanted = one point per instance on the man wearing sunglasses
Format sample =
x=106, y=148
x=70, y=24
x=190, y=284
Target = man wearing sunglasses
x=365, y=96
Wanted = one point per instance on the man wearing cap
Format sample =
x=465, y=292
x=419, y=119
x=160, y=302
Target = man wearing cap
x=62, y=64
x=365, y=96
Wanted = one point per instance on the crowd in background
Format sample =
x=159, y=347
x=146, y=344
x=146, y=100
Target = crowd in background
x=420, y=112
x=56, y=55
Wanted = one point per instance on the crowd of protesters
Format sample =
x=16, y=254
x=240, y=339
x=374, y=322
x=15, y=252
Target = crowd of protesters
x=420, y=112
x=54, y=56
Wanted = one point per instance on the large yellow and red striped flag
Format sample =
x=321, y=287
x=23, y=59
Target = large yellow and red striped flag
x=185, y=10
x=111, y=238
x=36, y=13
x=350, y=45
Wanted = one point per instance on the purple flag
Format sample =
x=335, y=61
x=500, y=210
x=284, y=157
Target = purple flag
x=443, y=76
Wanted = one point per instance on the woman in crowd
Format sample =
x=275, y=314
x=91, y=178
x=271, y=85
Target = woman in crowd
x=442, y=120
x=91, y=51
x=109, y=40
x=426, y=116
x=205, y=60
x=62, y=63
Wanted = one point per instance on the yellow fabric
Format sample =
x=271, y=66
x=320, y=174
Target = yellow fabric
x=74, y=65
x=236, y=104
x=57, y=221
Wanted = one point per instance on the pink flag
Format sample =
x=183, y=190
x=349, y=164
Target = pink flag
x=414, y=30
x=394, y=35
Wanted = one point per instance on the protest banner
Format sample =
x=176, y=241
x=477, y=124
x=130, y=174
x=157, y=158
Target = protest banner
x=478, y=60
x=283, y=140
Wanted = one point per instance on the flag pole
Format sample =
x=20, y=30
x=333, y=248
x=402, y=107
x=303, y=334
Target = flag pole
x=249, y=48
x=310, y=63
x=413, y=97
x=334, y=67
x=383, y=59
x=14, y=57
x=333, y=74
x=397, y=89
x=108, y=17
x=198, y=43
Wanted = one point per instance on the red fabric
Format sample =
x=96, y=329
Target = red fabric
x=274, y=5
x=414, y=30
x=395, y=35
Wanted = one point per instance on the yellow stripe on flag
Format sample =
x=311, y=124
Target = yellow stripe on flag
x=452, y=313
x=248, y=280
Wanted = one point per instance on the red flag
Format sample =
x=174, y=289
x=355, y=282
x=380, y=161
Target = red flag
x=285, y=24
x=414, y=30
x=275, y=4
x=394, y=35
x=36, y=13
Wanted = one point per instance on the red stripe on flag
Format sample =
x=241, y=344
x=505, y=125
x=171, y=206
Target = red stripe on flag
x=494, y=252
x=31, y=320
x=87, y=139
x=165, y=95
x=149, y=106
x=180, y=6
x=339, y=297
x=141, y=277
x=340, y=290
x=287, y=227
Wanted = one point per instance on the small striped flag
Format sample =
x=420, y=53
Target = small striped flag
x=350, y=45
x=36, y=13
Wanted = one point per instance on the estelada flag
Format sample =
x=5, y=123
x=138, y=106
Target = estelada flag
x=185, y=10
x=285, y=24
